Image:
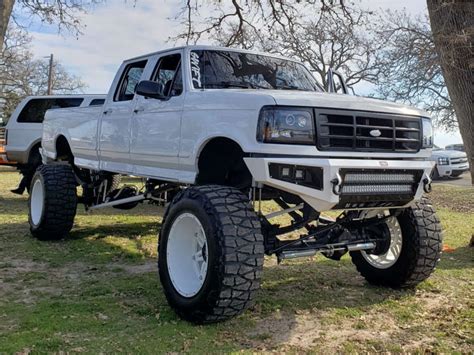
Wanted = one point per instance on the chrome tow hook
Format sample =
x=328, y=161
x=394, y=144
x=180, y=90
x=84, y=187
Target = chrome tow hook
x=427, y=184
x=336, y=184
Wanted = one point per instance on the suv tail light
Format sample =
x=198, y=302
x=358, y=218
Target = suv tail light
x=3, y=139
x=3, y=150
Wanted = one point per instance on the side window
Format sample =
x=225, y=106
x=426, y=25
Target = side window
x=97, y=102
x=129, y=81
x=177, y=87
x=35, y=109
x=168, y=75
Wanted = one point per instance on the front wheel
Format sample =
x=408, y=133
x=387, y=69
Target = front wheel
x=210, y=253
x=411, y=253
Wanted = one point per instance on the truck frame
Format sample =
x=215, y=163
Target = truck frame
x=216, y=131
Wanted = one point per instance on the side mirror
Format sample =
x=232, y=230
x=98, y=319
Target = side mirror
x=338, y=87
x=148, y=88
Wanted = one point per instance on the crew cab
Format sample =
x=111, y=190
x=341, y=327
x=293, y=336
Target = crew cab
x=22, y=134
x=216, y=131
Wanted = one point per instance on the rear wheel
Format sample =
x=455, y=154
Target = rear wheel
x=52, y=202
x=210, y=253
x=412, y=252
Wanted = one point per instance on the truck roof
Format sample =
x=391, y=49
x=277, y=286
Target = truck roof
x=207, y=47
x=65, y=95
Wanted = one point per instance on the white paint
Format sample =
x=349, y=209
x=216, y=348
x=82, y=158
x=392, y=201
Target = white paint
x=22, y=136
x=37, y=202
x=164, y=138
x=187, y=254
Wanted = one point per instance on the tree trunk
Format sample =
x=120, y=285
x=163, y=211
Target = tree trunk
x=452, y=24
x=6, y=7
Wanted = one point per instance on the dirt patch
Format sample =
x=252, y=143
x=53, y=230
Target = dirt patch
x=453, y=198
x=322, y=331
x=148, y=266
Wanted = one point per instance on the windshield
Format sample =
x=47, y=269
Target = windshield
x=228, y=69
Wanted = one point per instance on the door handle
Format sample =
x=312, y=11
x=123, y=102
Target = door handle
x=138, y=109
x=106, y=112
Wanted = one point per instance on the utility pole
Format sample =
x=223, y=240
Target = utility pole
x=50, y=75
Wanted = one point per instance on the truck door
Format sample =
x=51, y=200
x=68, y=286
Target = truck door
x=156, y=123
x=114, y=142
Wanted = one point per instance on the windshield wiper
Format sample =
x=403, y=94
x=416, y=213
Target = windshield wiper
x=230, y=84
x=288, y=87
x=237, y=84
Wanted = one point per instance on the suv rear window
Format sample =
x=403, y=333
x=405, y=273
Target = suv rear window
x=34, y=110
x=97, y=102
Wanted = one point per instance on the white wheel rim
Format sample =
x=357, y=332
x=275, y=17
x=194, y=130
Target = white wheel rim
x=37, y=202
x=187, y=255
x=384, y=261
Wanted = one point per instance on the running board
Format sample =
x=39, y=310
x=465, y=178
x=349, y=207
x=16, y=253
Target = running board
x=293, y=254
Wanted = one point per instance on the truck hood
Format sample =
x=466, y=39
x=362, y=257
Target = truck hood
x=448, y=153
x=349, y=102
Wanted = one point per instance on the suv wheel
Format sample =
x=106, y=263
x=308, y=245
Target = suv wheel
x=435, y=173
x=413, y=251
x=53, y=201
x=210, y=253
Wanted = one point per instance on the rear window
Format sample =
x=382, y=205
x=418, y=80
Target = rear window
x=97, y=102
x=34, y=110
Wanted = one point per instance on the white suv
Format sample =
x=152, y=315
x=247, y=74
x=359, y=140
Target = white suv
x=22, y=134
x=449, y=163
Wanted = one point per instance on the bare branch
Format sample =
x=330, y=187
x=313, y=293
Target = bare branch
x=410, y=68
x=22, y=75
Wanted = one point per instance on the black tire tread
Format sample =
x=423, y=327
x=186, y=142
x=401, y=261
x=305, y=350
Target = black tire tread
x=60, y=202
x=113, y=182
x=423, y=248
x=240, y=241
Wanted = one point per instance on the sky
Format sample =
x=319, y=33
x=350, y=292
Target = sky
x=122, y=29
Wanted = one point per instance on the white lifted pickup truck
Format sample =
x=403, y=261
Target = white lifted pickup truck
x=216, y=131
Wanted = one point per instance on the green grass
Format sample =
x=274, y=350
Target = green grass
x=98, y=291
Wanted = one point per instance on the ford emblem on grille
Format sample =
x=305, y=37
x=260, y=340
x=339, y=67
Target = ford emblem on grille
x=375, y=133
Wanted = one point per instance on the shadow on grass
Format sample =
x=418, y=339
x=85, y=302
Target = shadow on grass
x=459, y=258
x=11, y=204
x=119, y=230
x=289, y=289
x=87, y=257
x=306, y=285
x=19, y=206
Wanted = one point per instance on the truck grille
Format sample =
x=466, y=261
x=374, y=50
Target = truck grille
x=364, y=188
x=340, y=130
x=456, y=161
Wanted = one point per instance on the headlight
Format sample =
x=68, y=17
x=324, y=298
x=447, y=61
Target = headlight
x=427, y=133
x=289, y=125
x=443, y=161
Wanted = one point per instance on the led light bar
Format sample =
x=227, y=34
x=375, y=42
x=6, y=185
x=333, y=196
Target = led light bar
x=377, y=189
x=371, y=178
